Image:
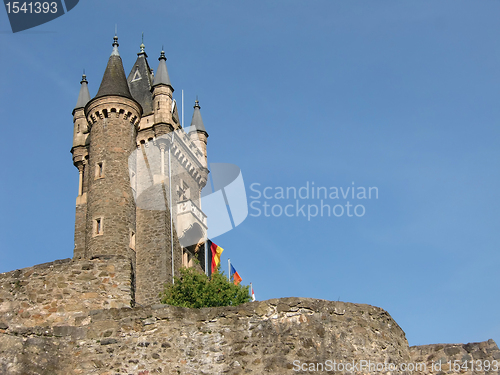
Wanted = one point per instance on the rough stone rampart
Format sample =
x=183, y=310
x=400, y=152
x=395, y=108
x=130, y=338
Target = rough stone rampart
x=75, y=317
x=463, y=359
x=258, y=338
x=63, y=292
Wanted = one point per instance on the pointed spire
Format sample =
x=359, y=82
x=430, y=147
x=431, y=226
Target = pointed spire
x=140, y=80
x=114, y=81
x=83, y=96
x=161, y=77
x=142, y=47
x=115, y=47
x=197, y=122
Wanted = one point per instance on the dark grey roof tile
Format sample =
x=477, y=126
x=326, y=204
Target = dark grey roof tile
x=197, y=122
x=84, y=95
x=114, y=81
x=161, y=76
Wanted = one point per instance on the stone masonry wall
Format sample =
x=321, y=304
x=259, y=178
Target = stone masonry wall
x=485, y=357
x=110, y=198
x=153, y=244
x=257, y=337
x=75, y=317
x=154, y=254
x=63, y=292
x=80, y=227
x=54, y=335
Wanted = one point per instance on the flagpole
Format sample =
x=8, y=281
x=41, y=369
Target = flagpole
x=229, y=269
x=206, y=256
x=170, y=204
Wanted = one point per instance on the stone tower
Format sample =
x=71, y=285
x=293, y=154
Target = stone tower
x=140, y=175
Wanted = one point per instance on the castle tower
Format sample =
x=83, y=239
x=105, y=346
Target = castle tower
x=113, y=115
x=140, y=175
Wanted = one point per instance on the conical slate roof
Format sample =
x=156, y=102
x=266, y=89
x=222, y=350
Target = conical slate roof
x=197, y=122
x=83, y=96
x=114, y=81
x=161, y=77
x=140, y=80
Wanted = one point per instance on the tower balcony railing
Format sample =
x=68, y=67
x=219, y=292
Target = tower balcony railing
x=186, y=207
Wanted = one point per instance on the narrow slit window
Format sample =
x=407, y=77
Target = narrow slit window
x=132, y=240
x=99, y=170
x=98, y=226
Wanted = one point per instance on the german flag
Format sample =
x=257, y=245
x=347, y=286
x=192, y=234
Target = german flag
x=216, y=252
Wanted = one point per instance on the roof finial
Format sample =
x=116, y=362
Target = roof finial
x=115, y=45
x=142, y=44
x=162, y=54
x=84, y=77
x=196, y=103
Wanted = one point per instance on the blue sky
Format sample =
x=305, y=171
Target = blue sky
x=398, y=95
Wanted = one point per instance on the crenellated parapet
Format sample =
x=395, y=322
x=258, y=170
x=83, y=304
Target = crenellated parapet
x=113, y=107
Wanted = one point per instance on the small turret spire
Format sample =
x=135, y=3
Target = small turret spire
x=84, y=95
x=197, y=132
x=197, y=122
x=161, y=76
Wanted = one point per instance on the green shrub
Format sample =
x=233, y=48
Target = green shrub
x=195, y=290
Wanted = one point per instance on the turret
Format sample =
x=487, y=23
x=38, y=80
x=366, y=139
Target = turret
x=80, y=124
x=113, y=116
x=80, y=158
x=162, y=95
x=197, y=132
